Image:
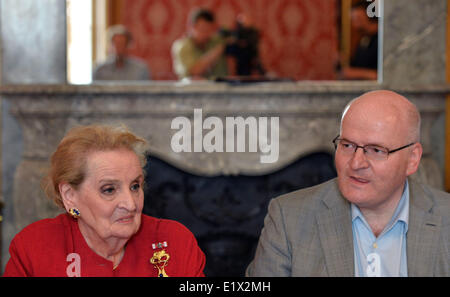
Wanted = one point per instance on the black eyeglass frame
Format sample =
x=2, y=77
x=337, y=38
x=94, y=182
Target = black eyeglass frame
x=358, y=146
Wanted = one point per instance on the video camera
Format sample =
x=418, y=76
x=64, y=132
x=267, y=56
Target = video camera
x=242, y=43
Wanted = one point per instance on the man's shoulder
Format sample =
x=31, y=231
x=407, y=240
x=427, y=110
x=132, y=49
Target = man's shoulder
x=182, y=39
x=440, y=199
x=182, y=42
x=137, y=63
x=109, y=62
x=102, y=68
x=309, y=198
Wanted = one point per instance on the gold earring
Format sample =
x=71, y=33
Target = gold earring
x=74, y=212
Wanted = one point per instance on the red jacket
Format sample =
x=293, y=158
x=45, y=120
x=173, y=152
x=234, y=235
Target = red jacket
x=56, y=247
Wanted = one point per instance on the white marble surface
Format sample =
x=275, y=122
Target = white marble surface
x=414, y=45
x=205, y=87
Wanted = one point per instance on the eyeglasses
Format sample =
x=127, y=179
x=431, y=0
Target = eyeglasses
x=372, y=152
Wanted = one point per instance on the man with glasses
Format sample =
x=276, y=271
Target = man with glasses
x=373, y=219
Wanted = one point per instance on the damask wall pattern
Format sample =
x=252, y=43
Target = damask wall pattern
x=298, y=37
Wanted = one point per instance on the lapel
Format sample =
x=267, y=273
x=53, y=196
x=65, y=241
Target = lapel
x=423, y=232
x=335, y=232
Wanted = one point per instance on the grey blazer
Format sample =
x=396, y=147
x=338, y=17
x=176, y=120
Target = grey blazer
x=309, y=233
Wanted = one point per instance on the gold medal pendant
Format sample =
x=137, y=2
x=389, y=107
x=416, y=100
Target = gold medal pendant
x=159, y=260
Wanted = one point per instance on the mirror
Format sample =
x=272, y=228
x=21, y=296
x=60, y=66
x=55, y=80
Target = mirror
x=298, y=39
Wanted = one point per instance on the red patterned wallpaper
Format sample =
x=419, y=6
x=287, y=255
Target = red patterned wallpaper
x=298, y=37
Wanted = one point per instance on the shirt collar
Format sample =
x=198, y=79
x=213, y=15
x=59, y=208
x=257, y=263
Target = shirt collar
x=401, y=212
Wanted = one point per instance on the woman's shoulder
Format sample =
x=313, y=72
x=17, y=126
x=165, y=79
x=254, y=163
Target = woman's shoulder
x=164, y=229
x=44, y=228
x=163, y=225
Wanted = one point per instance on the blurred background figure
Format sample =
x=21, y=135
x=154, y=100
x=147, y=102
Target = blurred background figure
x=119, y=65
x=363, y=63
x=243, y=53
x=200, y=54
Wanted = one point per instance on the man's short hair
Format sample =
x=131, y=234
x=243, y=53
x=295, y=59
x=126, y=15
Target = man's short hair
x=201, y=14
x=118, y=30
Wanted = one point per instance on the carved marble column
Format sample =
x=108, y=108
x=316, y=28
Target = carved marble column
x=414, y=55
x=414, y=42
x=33, y=51
x=33, y=39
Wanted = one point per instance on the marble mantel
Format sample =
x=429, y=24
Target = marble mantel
x=308, y=112
x=308, y=120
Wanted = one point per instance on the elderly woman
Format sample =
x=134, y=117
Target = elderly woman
x=96, y=176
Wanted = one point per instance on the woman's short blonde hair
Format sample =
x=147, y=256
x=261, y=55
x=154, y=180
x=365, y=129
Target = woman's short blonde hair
x=68, y=162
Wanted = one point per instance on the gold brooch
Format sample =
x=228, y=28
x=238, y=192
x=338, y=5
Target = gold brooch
x=159, y=260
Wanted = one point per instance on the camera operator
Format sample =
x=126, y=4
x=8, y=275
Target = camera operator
x=200, y=54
